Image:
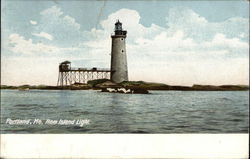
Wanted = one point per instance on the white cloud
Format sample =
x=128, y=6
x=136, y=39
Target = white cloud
x=33, y=22
x=44, y=35
x=200, y=29
x=131, y=22
x=18, y=44
x=64, y=28
x=55, y=16
x=23, y=46
x=234, y=46
x=54, y=10
x=71, y=22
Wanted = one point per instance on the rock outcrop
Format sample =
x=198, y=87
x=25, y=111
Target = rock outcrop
x=125, y=91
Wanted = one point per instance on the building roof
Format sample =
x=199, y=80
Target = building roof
x=118, y=22
x=65, y=62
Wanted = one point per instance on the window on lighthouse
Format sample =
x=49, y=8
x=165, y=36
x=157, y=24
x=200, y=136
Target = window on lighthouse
x=118, y=27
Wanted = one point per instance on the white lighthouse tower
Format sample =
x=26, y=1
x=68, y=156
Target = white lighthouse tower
x=119, y=68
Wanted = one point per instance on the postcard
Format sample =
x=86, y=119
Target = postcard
x=124, y=79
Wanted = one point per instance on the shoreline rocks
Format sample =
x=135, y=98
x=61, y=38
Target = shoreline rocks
x=125, y=91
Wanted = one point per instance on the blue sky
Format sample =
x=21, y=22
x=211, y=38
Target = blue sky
x=174, y=42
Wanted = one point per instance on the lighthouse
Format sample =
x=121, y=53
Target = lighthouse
x=119, y=68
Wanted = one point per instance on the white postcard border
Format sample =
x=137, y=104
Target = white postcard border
x=124, y=145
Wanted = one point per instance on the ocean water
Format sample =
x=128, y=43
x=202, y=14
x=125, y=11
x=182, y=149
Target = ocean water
x=90, y=111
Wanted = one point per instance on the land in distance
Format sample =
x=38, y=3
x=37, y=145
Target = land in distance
x=100, y=84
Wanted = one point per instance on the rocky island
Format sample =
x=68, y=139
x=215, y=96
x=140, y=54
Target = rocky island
x=106, y=85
